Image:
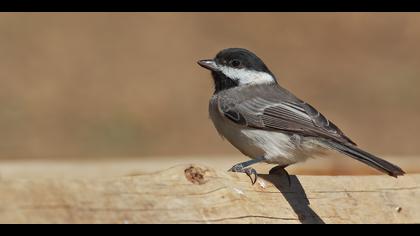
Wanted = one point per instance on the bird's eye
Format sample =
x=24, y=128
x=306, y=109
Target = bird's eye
x=235, y=63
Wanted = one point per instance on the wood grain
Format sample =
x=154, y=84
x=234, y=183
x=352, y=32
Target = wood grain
x=198, y=194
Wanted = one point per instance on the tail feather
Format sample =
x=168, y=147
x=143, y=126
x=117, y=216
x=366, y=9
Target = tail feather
x=367, y=158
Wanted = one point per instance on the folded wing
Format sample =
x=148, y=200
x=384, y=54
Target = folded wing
x=274, y=108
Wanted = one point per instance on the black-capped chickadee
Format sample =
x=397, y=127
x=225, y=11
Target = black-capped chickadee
x=268, y=123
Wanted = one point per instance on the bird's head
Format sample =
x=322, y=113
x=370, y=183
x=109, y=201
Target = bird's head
x=235, y=67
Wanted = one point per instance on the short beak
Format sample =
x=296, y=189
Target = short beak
x=209, y=64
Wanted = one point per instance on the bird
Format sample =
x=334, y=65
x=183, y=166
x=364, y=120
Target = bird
x=267, y=123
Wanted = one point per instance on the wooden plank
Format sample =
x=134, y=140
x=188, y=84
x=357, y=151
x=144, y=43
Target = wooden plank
x=118, y=166
x=198, y=194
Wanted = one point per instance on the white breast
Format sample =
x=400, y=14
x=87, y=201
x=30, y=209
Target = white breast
x=278, y=147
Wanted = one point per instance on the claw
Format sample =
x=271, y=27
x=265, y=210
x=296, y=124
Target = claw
x=241, y=167
x=250, y=172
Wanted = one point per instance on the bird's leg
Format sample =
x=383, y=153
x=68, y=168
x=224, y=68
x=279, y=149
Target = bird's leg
x=280, y=170
x=243, y=168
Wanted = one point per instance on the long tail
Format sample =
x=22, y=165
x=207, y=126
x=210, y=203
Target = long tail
x=367, y=158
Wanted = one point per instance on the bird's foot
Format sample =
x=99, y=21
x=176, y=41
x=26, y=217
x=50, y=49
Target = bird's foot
x=280, y=170
x=248, y=171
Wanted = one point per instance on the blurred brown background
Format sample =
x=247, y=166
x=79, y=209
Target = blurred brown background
x=105, y=85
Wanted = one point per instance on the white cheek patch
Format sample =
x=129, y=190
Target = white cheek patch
x=244, y=76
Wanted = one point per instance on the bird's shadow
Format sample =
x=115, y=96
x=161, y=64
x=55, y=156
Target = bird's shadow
x=295, y=196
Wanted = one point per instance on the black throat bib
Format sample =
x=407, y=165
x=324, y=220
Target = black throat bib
x=222, y=82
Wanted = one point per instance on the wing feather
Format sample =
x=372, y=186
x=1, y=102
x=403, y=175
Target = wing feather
x=274, y=108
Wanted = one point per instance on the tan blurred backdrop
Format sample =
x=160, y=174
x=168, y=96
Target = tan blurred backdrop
x=103, y=85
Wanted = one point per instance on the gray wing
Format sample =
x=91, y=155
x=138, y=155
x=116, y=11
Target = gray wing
x=274, y=108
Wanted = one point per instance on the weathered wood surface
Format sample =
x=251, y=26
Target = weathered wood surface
x=196, y=194
x=118, y=166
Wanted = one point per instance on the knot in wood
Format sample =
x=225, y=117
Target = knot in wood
x=195, y=175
